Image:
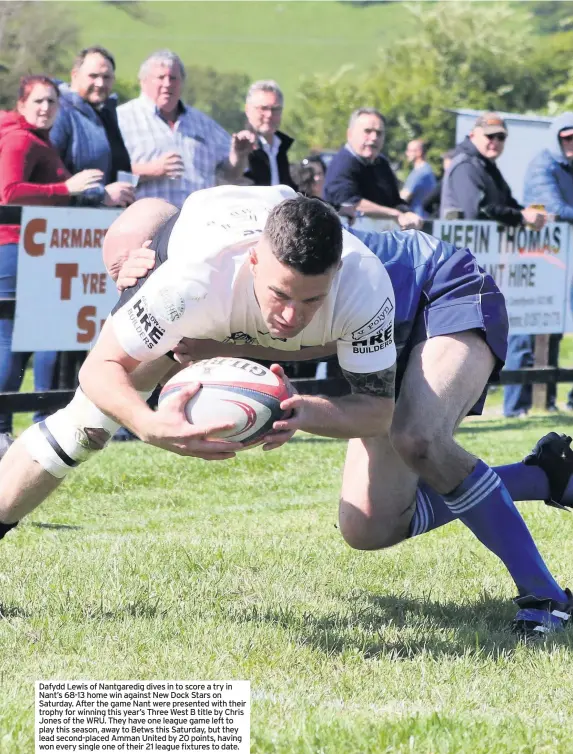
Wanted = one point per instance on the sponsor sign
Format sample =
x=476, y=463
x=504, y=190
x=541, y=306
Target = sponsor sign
x=530, y=267
x=63, y=292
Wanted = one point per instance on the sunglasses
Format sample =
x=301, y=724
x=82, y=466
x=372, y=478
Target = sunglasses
x=500, y=137
x=569, y=137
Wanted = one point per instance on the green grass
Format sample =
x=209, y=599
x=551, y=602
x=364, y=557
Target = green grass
x=150, y=566
x=262, y=39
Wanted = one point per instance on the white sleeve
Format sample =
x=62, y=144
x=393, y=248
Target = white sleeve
x=151, y=323
x=367, y=344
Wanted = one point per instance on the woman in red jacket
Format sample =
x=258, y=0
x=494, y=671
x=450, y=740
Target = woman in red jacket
x=31, y=172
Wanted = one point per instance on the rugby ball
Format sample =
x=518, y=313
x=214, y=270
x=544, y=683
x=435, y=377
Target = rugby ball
x=232, y=390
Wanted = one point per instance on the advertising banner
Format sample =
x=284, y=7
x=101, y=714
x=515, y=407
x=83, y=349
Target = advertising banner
x=63, y=292
x=530, y=267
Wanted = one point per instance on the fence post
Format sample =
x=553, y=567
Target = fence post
x=540, y=359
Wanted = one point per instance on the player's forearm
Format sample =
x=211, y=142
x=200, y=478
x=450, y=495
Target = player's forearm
x=109, y=386
x=347, y=417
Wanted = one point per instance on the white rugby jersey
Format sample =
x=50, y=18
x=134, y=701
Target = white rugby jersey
x=205, y=288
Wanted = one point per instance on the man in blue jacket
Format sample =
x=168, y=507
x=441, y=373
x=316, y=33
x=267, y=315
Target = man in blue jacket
x=86, y=133
x=548, y=181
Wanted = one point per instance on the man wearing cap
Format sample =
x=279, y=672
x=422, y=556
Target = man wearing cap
x=474, y=184
x=549, y=182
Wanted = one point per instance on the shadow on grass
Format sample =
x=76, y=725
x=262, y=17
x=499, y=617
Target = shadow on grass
x=432, y=628
x=551, y=422
x=12, y=611
x=40, y=525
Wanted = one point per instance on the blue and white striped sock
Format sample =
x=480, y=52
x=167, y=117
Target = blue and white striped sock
x=484, y=505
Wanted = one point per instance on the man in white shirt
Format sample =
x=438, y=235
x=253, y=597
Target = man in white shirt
x=176, y=149
x=265, y=265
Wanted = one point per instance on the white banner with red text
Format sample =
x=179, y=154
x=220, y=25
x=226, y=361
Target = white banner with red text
x=63, y=292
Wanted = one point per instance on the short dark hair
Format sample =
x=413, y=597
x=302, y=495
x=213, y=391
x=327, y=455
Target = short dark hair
x=306, y=234
x=94, y=50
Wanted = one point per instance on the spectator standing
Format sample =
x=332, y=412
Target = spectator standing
x=31, y=172
x=474, y=183
x=361, y=176
x=268, y=162
x=176, y=149
x=548, y=183
x=86, y=133
x=421, y=181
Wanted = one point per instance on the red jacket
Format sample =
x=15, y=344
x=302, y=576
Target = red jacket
x=31, y=171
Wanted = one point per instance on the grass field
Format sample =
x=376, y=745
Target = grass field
x=280, y=40
x=149, y=566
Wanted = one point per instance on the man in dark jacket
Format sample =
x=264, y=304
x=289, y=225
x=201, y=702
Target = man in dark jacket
x=268, y=162
x=359, y=175
x=474, y=184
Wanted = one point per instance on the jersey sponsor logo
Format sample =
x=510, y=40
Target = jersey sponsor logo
x=145, y=324
x=374, y=324
x=171, y=304
x=376, y=342
x=241, y=337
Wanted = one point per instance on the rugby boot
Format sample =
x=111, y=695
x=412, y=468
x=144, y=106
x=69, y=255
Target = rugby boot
x=553, y=454
x=537, y=617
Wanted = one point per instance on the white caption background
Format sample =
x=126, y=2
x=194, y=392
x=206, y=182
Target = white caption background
x=147, y=716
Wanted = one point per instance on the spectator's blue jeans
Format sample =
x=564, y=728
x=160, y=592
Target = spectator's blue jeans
x=12, y=365
x=518, y=398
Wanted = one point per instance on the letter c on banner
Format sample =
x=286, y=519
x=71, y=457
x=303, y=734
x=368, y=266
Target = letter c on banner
x=38, y=225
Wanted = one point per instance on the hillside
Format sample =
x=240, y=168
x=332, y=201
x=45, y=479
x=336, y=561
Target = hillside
x=262, y=39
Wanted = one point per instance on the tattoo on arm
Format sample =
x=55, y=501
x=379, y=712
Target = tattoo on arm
x=381, y=384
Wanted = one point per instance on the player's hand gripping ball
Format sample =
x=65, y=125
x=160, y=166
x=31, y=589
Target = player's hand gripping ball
x=232, y=390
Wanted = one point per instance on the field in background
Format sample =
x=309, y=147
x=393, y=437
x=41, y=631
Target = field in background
x=150, y=566
x=263, y=39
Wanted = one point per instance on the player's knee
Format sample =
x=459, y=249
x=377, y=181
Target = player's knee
x=365, y=532
x=413, y=444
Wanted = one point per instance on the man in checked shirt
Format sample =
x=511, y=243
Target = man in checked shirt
x=176, y=149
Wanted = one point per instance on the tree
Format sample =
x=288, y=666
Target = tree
x=458, y=57
x=35, y=37
x=220, y=95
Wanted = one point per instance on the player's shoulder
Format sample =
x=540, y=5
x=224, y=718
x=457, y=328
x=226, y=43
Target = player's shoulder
x=361, y=271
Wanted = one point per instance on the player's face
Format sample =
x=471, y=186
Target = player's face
x=366, y=136
x=288, y=299
x=94, y=79
x=41, y=106
x=162, y=84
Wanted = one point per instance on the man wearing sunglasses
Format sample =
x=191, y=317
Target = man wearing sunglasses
x=474, y=183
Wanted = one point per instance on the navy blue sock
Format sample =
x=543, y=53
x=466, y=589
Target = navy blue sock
x=524, y=482
x=483, y=504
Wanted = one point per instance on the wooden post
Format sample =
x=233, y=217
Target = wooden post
x=540, y=359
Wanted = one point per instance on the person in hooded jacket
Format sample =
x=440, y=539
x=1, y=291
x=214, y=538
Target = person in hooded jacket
x=548, y=182
x=31, y=173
